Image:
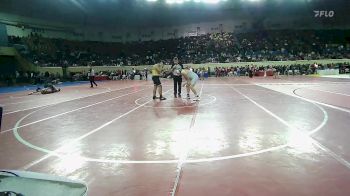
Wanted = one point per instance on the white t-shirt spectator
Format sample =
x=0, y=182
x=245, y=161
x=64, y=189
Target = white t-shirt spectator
x=91, y=73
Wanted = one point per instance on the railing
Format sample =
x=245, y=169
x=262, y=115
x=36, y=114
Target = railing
x=23, y=63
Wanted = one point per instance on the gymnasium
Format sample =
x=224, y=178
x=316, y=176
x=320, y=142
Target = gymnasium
x=174, y=97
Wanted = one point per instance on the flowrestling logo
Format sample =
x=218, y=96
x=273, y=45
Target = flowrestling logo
x=324, y=13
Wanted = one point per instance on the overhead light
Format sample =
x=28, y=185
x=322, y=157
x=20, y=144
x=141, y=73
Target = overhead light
x=196, y=1
x=174, y=1
x=212, y=1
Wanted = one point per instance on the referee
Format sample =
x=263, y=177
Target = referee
x=176, y=69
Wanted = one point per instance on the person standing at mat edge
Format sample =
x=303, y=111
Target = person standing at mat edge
x=176, y=69
x=91, y=75
x=156, y=71
x=0, y=116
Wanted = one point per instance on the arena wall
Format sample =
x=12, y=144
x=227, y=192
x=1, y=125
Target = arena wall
x=23, y=26
x=131, y=34
x=85, y=69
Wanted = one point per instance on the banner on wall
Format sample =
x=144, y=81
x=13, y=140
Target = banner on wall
x=3, y=35
x=192, y=34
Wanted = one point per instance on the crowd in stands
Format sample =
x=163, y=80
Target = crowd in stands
x=278, y=45
x=296, y=69
x=144, y=74
x=273, y=45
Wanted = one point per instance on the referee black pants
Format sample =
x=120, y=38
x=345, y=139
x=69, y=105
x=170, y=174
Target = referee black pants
x=92, y=81
x=177, y=84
